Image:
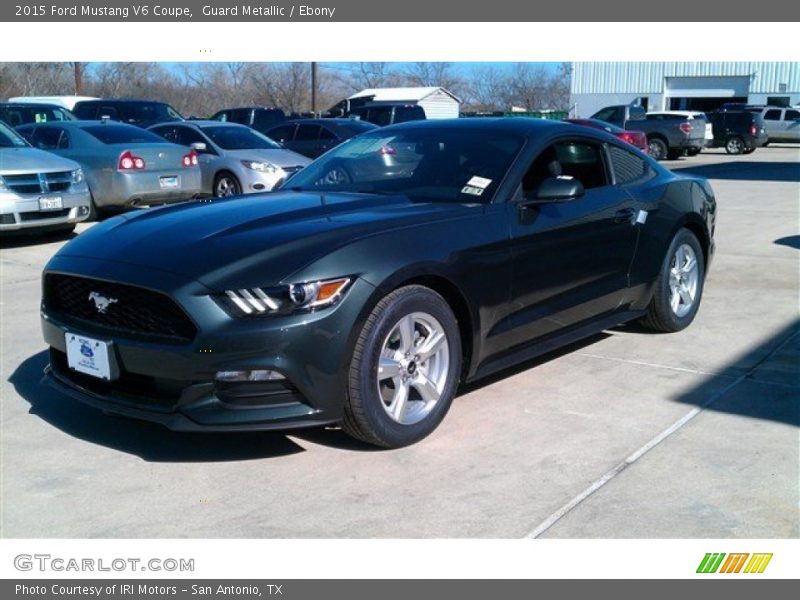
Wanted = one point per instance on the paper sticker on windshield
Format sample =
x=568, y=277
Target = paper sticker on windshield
x=471, y=190
x=479, y=182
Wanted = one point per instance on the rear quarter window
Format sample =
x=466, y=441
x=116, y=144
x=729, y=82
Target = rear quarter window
x=628, y=167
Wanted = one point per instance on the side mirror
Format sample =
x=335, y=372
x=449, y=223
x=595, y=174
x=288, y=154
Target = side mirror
x=556, y=189
x=199, y=147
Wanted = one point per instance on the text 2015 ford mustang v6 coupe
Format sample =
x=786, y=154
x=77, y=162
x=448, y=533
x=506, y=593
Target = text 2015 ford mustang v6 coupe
x=401, y=263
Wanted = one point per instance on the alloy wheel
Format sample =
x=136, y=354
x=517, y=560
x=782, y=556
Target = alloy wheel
x=413, y=368
x=735, y=146
x=225, y=187
x=683, y=280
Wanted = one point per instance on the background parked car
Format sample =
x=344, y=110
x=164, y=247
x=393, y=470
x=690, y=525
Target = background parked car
x=67, y=102
x=234, y=159
x=125, y=165
x=782, y=124
x=143, y=113
x=38, y=190
x=387, y=114
x=634, y=138
x=313, y=137
x=739, y=132
x=689, y=115
x=18, y=113
x=259, y=118
x=666, y=138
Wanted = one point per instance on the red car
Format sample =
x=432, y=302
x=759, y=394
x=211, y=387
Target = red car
x=635, y=138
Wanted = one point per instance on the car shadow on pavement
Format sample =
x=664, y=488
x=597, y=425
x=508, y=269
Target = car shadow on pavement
x=155, y=443
x=745, y=171
x=149, y=441
x=23, y=240
x=771, y=367
x=791, y=241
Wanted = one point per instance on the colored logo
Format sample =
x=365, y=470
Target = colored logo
x=86, y=350
x=734, y=563
x=101, y=303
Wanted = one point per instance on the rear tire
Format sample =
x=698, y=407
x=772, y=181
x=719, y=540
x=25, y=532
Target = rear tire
x=748, y=150
x=405, y=369
x=693, y=151
x=657, y=148
x=734, y=145
x=679, y=287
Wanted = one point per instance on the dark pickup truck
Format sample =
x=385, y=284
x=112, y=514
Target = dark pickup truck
x=667, y=137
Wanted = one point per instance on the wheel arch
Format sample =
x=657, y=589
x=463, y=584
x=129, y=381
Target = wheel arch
x=443, y=284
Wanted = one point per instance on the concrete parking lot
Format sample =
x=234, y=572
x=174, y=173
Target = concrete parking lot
x=628, y=434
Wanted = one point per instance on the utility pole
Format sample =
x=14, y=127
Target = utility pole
x=314, y=88
x=78, y=78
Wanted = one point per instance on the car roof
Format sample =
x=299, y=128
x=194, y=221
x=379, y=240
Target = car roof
x=80, y=124
x=198, y=123
x=332, y=122
x=32, y=105
x=120, y=101
x=526, y=125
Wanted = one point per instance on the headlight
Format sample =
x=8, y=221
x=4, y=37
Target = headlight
x=284, y=300
x=261, y=165
x=77, y=176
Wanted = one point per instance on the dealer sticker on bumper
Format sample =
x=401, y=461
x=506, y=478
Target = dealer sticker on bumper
x=87, y=355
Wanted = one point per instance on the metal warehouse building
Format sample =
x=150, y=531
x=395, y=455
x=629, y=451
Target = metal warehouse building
x=681, y=85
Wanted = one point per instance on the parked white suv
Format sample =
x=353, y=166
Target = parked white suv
x=689, y=115
x=782, y=123
x=38, y=190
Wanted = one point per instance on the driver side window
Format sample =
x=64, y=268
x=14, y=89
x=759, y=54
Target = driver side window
x=580, y=160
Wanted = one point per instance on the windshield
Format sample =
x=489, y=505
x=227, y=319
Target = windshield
x=109, y=133
x=425, y=164
x=10, y=138
x=239, y=138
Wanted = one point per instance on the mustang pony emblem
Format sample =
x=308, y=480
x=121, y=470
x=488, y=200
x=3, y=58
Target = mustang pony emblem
x=101, y=302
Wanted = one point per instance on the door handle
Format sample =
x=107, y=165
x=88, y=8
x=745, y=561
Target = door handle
x=626, y=214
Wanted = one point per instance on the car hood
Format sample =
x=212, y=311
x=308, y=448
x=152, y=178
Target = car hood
x=19, y=161
x=277, y=156
x=254, y=240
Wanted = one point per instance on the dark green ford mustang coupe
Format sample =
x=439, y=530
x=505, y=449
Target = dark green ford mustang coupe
x=400, y=264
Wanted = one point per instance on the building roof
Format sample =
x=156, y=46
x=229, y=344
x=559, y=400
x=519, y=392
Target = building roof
x=402, y=94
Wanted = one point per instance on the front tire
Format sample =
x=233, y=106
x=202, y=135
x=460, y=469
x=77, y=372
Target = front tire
x=405, y=369
x=679, y=287
x=225, y=185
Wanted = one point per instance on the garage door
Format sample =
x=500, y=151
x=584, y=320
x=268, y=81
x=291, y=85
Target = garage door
x=705, y=93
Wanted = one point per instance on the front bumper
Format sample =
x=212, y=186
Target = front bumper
x=19, y=212
x=174, y=384
x=254, y=181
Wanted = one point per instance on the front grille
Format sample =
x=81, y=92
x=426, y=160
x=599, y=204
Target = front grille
x=48, y=214
x=127, y=310
x=38, y=183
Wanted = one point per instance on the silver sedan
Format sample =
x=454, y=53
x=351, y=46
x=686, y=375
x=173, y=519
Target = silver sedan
x=234, y=159
x=125, y=166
